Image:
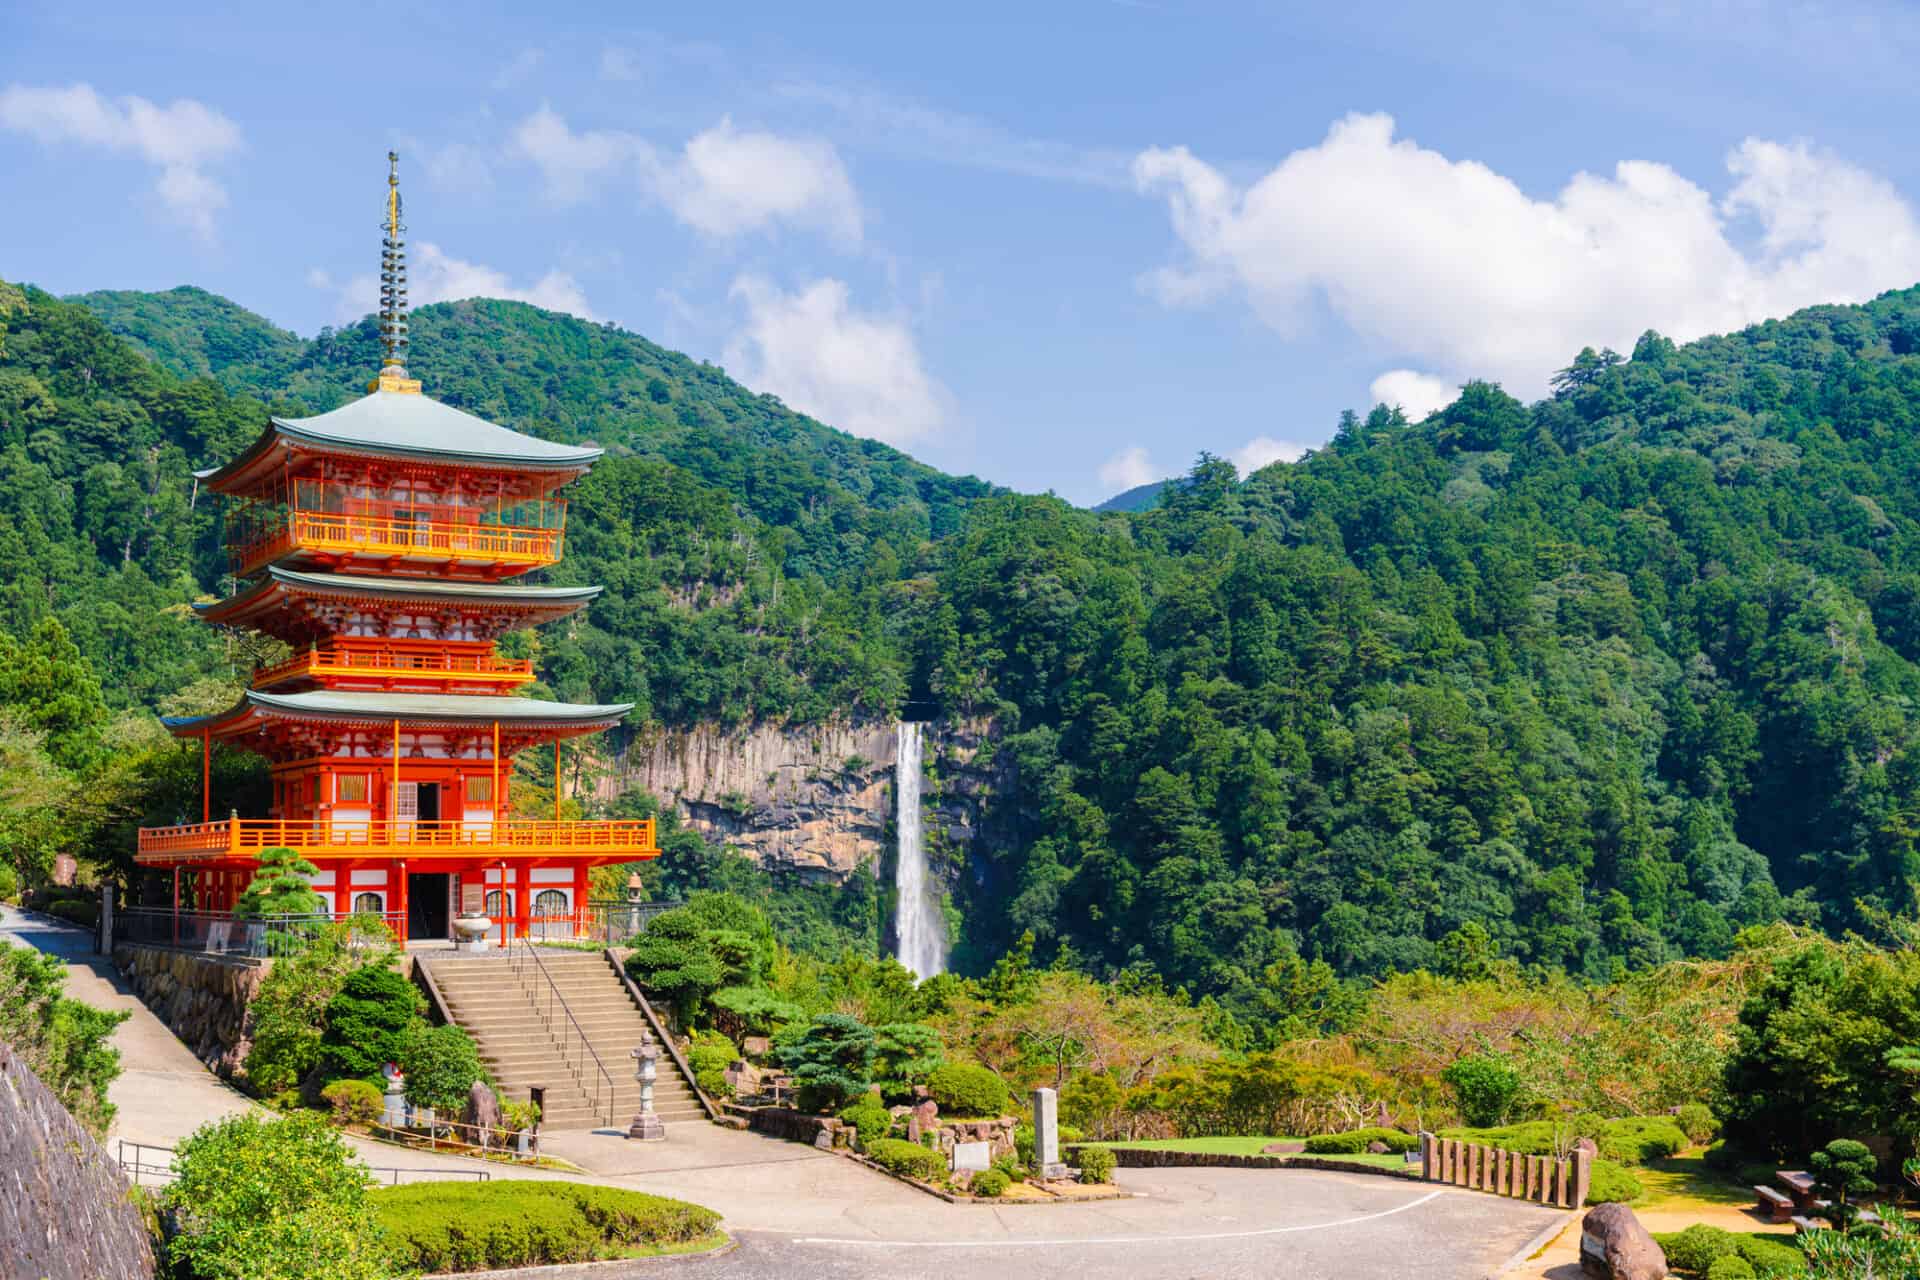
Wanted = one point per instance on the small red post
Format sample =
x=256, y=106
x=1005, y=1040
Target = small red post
x=176, y=904
x=206, y=776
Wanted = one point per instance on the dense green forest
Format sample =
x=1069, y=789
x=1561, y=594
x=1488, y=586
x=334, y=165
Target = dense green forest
x=1610, y=676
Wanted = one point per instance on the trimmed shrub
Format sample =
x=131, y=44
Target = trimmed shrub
x=9, y=884
x=1354, y=1141
x=468, y=1226
x=907, y=1158
x=1697, y=1248
x=76, y=911
x=1627, y=1140
x=1610, y=1182
x=265, y=1197
x=988, y=1183
x=872, y=1120
x=1096, y=1164
x=442, y=1066
x=1732, y=1267
x=353, y=1101
x=1695, y=1119
x=708, y=1057
x=1486, y=1087
x=367, y=1022
x=968, y=1089
x=830, y=1059
x=1770, y=1255
x=1011, y=1166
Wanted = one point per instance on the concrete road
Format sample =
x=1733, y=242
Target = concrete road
x=801, y=1212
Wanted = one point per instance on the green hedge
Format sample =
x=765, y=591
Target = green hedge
x=477, y=1226
x=77, y=911
x=1700, y=1248
x=1609, y=1182
x=1627, y=1140
x=1354, y=1141
x=968, y=1089
x=1095, y=1163
x=872, y=1120
x=907, y=1158
x=989, y=1184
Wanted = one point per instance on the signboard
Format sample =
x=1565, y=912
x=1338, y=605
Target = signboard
x=473, y=899
x=973, y=1156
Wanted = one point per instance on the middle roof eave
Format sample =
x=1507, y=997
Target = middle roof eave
x=397, y=588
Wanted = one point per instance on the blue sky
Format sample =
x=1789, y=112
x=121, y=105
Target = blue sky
x=1060, y=245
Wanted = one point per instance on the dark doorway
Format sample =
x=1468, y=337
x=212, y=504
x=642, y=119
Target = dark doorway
x=427, y=905
x=429, y=802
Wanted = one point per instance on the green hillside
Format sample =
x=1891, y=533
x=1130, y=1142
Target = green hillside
x=1608, y=677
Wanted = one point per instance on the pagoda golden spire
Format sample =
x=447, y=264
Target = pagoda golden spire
x=393, y=294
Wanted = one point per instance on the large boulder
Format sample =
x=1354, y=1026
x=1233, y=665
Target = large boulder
x=483, y=1110
x=1614, y=1246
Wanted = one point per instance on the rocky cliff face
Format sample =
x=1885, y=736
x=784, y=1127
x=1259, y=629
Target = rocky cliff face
x=819, y=799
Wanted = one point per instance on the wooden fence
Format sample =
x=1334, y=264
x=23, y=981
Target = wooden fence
x=1541, y=1179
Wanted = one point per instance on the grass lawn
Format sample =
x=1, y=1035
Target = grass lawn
x=1685, y=1182
x=1200, y=1146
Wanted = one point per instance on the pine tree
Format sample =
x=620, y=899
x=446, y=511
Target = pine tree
x=280, y=887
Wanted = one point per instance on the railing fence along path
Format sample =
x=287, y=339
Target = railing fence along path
x=144, y=1160
x=1546, y=1180
x=576, y=1051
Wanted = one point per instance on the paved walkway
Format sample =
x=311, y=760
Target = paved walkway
x=800, y=1211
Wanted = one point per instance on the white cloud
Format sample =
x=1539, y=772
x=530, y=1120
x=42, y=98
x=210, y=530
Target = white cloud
x=458, y=167
x=618, y=63
x=180, y=139
x=1418, y=394
x=524, y=64
x=1264, y=451
x=854, y=370
x=1450, y=263
x=1128, y=469
x=437, y=276
x=725, y=182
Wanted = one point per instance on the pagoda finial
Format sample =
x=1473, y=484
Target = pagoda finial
x=393, y=293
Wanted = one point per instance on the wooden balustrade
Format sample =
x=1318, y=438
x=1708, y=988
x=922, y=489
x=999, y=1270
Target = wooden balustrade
x=245, y=837
x=335, y=660
x=1542, y=1179
x=330, y=534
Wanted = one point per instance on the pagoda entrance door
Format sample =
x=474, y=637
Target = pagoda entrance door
x=428, y=905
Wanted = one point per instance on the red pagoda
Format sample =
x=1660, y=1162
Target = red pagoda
x=382, y=541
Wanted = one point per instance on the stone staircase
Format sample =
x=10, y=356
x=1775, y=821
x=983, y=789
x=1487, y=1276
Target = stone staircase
x=503, y=1011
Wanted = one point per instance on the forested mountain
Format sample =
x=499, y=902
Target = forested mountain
x=1608, y=676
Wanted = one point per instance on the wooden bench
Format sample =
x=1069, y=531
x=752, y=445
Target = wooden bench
x=1773, y=1205
x=1802, y=1223
x=1799, y=1185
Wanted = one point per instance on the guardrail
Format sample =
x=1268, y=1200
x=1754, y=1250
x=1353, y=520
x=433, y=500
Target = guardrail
x=523, y=958
x=1542, y=1179
x=249, y=937
x=326, y=533
x=333, y=660
x=140, y=1164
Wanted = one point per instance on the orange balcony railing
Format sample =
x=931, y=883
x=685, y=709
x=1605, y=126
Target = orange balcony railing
x=343, y=538
x=621, y=839
x=354, y=663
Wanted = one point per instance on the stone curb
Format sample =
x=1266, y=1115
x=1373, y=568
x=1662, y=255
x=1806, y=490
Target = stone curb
x=562, y=1270
x=1547, y=1235
x=1153, y=1158
x=954, y=1197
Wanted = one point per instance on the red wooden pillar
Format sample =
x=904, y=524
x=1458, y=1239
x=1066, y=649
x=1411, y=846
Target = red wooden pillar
x=176, y=904
x=342, y=888
x=399, y=874
x=579, y=897
x=206, y=775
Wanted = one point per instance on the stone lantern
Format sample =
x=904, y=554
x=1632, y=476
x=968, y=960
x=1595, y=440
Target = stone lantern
x=646, y=1126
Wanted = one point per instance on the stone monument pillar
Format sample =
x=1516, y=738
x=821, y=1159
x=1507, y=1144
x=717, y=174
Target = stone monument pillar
x=1046, y=1135
x=394, y=1112
x=105, y=939
x=646, y=1126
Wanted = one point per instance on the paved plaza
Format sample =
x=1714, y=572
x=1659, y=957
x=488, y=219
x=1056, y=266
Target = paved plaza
x=798, y=1211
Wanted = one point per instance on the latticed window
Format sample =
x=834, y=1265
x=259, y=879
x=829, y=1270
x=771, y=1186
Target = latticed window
x=368, y=902
x=353, y=788
x=479, y=790
x=550, y=902
x=496, y=907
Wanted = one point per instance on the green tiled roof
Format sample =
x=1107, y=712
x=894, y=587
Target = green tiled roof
x=436, y=588
x=474, y=708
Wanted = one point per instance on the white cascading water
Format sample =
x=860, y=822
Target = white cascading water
x=917, y=922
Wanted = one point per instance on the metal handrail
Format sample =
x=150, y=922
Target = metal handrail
x=673, y=1050
x=514, y=951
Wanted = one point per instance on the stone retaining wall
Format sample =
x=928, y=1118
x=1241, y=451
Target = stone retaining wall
x=66, y=1214
x=1153, y=1158
x=202, y=998
x=794, y=1126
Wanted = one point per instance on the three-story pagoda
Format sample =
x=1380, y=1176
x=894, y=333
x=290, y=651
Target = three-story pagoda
x=383, y=542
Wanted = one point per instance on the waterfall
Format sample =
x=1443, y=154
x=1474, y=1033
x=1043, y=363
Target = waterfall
x=918, y=926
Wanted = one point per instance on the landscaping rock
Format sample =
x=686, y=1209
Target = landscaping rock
x=756, y=1046
x=1587, y=1145
x=1378, y=1149
x=1284, y=1148
x=1614, y=1246
x=483, y=1108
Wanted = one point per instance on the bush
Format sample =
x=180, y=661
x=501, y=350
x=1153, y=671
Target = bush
x=1627, y=1140
x=442, y=1066
x=1355, y=1141
x=1096, y=1164
x=1772, y=1256
x=9, y=884
x=968, y=1089
x=1010, y=1165
x=753, y=1011
x=264, y=1197
x=77, y=911
x=466, y=1226
x=1695, y=1119
x=1697, y=1248
x=1486, y=1088
x=368, y=1021
x=989, y=1184
x=708, y=1057
x=1609, y=1182
x=1732, y=1267
x=289, y=1011
x=869, y=1118
x=353, y=1101
x=831, y=1060
x=909, y=1159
